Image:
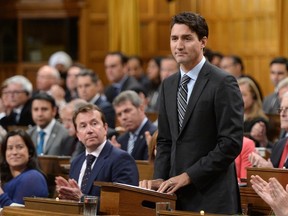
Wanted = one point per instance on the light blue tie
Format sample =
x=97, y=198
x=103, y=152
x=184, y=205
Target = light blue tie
x=131, y=142
x=41, y=142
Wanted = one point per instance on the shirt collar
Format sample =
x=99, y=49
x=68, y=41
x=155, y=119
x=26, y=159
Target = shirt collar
x=193, y=74
x=97, y=152
x=48, y=128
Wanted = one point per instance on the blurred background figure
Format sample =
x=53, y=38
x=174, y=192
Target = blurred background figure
x=18, y=92
x=278, y=72
x=233, y=64
x=20, y=172
x=153, y=74
x=136, y=70
x=62, y=62
x=253, y=112
x=117, y=73
x=71, y=84
x=168, y=66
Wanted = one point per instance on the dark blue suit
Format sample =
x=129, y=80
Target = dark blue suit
x=140, y=150
x=112, y=165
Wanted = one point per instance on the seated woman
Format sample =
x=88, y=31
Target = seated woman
x=253, y=113
x=20, y=173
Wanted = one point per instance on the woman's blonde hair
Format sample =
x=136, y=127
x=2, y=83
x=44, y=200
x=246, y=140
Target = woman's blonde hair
x=256, y=110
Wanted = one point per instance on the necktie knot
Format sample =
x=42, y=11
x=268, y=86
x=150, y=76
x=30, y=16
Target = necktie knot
x=90, y=159
x=42, y=133
x=185, y=79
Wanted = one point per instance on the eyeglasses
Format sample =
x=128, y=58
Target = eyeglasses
x=13, y=92
x=282, y=109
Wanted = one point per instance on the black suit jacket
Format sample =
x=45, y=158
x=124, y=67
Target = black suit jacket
x=108, y=111
x=25, y=118
x=208, y=143
x=129, y=84
x=140, y=150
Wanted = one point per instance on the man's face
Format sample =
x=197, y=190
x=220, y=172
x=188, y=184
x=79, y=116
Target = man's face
x=86, y=88
x=16, y=95
x=228, y=65
x=45, y=79
x=129, y=116
x=42, y=112
x=90, y=129
x=284, y=113
x=168, y=67
x=115, y=71
x=71, y=77
x=185, y=46
x=277, y=73
x=66, y=119
x=134, y=68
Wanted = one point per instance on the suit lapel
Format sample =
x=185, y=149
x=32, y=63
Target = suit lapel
x=51, y=138
x=197, y=90
x=100, y=162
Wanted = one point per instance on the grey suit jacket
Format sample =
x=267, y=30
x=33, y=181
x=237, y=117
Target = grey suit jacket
x=57, y=141
x=208, y=143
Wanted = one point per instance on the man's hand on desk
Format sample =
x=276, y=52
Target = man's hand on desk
x=169, y=186
x=68, y=189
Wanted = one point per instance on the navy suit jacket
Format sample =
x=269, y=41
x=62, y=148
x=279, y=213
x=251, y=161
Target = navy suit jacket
x=130, y=84
x=108, y=111
x=112, y=165
x=277, y=151
x=140, y=150
x=206, y=146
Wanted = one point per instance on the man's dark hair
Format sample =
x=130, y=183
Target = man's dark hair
x=123, y=58
x=280, y=60
x=194, y=21
x=46, y=97
x=87, y=72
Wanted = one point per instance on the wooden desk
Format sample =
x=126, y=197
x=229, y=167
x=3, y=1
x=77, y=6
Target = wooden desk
x=52, y=166
x=182, y=213
x=128, y=200
x=145, y=169
x=251, y=203
x=280, y=174
x=23, y=211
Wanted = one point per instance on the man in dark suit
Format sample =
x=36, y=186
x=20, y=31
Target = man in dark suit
x=55, y=136
x=88, y=90
x=117, y=73
x=279, y=153
x=196, y=151
x=110, y=164
x=18, y=91
x=130, y=113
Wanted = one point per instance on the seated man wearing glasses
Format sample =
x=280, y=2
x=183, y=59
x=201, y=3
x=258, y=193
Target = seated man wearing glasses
x=17, y=90
x=279, y=153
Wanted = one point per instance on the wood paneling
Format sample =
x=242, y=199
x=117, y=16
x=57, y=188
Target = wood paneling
x=256, y=30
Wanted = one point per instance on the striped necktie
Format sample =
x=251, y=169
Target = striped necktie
x=182, y=99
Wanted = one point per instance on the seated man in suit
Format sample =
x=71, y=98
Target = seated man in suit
x=278, y=158
x=88, y=90
x=18, y=91
x=129, y=110
x=103, y=161
x=117, y=73
x=48, y=134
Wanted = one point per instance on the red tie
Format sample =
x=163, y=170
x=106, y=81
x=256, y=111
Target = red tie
x=284, y=156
